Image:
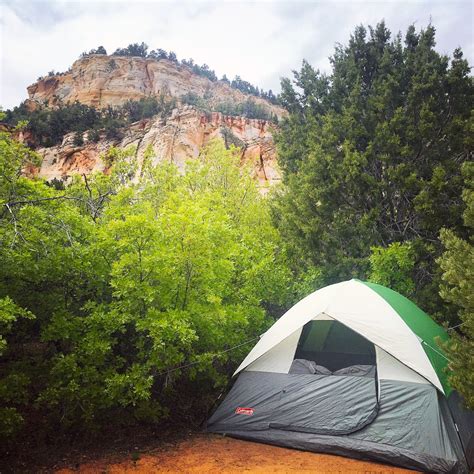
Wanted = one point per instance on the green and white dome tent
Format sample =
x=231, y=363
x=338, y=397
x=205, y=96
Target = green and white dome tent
x=396, y=326
x=354, y=368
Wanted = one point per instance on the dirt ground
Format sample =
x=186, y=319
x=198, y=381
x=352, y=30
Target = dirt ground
x=212, y=454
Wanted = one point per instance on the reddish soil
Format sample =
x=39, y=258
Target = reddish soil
x=212, y=454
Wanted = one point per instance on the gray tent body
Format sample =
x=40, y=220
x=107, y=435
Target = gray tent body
x=410, y=425
x=341, y=405
x=464, y=420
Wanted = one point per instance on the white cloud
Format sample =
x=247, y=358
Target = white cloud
x=259, y=41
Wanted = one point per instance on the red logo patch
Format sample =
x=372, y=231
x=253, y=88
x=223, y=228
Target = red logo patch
x=244, y=411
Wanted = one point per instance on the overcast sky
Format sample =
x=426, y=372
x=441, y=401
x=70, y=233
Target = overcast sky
x=260, y=41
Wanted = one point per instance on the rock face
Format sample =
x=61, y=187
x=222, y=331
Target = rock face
x=100, y=81
x=176, y=139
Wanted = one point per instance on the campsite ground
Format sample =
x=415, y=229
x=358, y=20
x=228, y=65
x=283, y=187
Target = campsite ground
x=204, y=453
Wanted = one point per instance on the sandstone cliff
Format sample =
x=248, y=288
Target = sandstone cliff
x=176, y=139
x=99, y=81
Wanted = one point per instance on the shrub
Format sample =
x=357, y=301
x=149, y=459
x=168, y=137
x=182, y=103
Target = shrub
x=133, y=49
x=126, y=284
x=93, y=135
x=78, y=139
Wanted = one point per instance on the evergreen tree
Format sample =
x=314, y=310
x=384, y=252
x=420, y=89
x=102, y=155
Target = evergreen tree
x=371, y=155
x=99, y=50
x=133, y=49
x=78, y=139
x=158, y=54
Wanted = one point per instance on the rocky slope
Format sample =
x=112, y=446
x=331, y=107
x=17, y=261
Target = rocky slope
x=100, y=80
x=176, y=139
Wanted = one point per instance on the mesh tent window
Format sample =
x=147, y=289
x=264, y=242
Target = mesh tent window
x=333, y=345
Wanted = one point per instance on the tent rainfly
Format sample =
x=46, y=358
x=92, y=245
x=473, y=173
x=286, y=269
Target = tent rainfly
x=353, y=369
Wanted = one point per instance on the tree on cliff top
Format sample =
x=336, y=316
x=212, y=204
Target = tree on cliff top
x=99, y=50
x=133, y=49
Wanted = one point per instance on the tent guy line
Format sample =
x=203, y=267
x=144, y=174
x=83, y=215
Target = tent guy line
x=185, y=366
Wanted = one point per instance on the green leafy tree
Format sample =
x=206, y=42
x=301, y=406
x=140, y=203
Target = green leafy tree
x=39, y=274
x=127, y=282
x=186, y=281
x=13, y=387
x=393, y=267
x=457, y=264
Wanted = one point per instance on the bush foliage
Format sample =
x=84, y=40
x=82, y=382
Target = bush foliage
x=248, y=109
x=49, y=125
x=457, y=265
x=107, y=285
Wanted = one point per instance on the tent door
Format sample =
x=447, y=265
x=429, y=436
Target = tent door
x=331, y=405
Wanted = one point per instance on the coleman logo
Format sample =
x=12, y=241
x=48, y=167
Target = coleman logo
x=244, y=411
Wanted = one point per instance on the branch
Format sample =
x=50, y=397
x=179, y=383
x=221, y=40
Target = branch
x=35, y=201
x=87, y=185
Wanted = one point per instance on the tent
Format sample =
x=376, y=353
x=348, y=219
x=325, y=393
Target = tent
x=353, y=369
